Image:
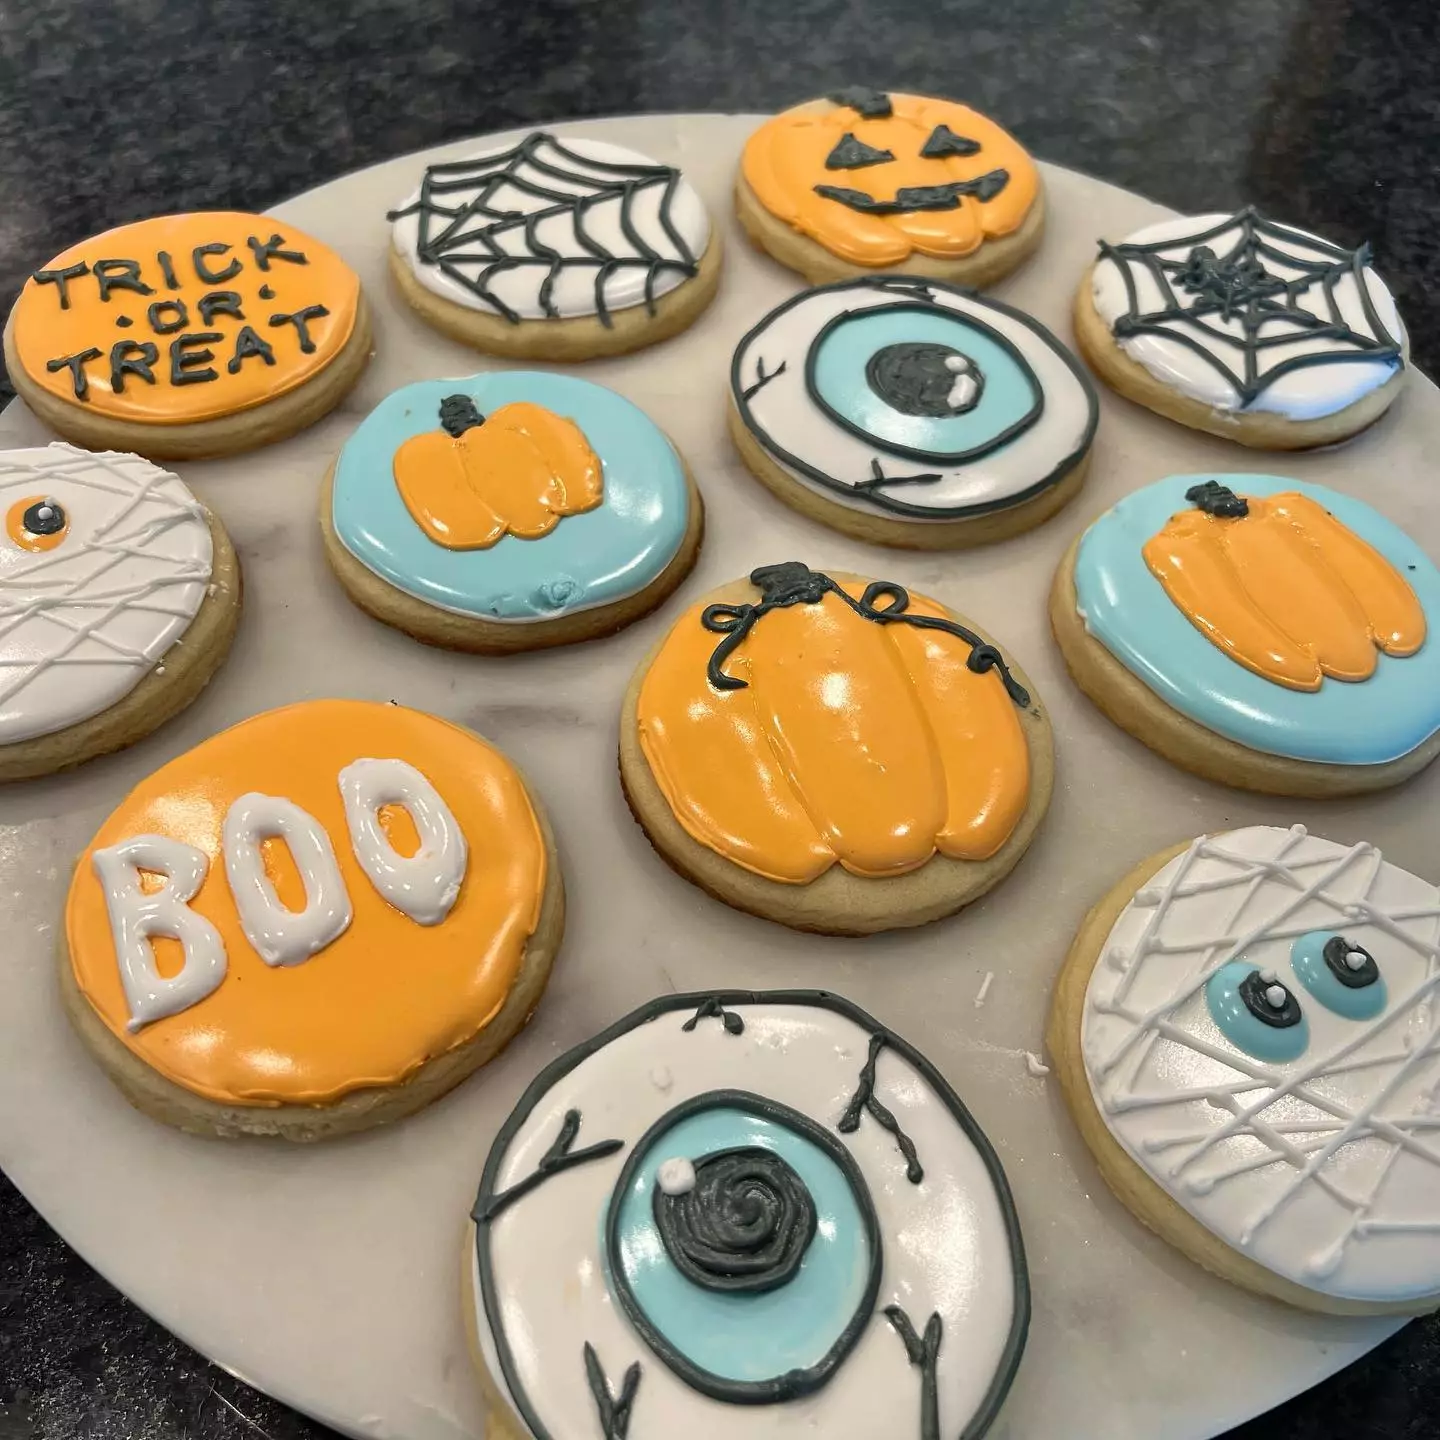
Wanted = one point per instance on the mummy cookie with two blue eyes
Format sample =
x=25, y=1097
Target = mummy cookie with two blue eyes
x=509, y=511
x=740, y=1215
x=1247, y=1036
x=910, y=412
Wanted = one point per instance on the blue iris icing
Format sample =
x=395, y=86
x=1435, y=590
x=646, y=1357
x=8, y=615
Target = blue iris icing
x=748, y=1337
x=1127, y=610
x=1010, y=399
x=1362, y=1002
x=593, y=559
x=1244, y=1030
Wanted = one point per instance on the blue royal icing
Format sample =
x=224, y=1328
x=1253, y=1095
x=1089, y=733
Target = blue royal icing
x=1126, y=608
x=597, y=558
x=1360, y=1002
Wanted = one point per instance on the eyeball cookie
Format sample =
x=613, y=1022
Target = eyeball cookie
x=864, y=181
x=555, y=249
x=834, y=753
x=119, y=597
x=911, y=413
x=1250, y=330
x=1245, y=1031
x=740, y=1215
x=188, y=336
x=317, y=921
x=1260, y=631
x=509, y=511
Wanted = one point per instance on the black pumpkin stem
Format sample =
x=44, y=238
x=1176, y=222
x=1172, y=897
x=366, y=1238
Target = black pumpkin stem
x=458, y=414
x=793, y=583
x=1216, y=499
x=869, y=104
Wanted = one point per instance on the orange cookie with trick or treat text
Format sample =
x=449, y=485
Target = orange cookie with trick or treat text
x=864, y=181
x=188, y=336
x=834, y=753
x=314, y=922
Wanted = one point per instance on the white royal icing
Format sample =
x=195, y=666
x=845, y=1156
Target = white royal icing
x=634, y=195
x=944, y=1241
x=1304, y=394
x=282, y=936
x=135, y=917
x=1324, y=1168
x=83, y=623
x=423, y=885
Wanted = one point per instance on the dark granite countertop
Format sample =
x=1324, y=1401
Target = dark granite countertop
x=1324, y=112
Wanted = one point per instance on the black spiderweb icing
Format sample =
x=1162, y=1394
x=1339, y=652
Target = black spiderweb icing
x=1276, y=282
x=464, y=222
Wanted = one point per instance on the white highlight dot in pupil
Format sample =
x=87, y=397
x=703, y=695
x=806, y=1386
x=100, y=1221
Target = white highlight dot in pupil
x=1355, y=959
x=675, y=1176
x=1275, y=995
x=1269, y=976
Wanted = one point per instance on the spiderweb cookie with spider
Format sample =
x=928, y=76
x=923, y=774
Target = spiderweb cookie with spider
x=1250, y=330
x=1247, y=1036
x=555, y=249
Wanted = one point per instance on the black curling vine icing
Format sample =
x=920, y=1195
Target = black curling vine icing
x=864, y=1102
x=557, y=1158
x=613, y=1409
x=923, y=1351
x=711, y=1009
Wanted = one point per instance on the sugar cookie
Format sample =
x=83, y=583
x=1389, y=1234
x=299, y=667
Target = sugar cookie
x=864, y=181
x=188, y=336
x=911, y=413
x=1260, y=631
x=743, y=1215
x=834, y=753
x=314, y=922
x=119, y=596
x=509, y=511
x=1245, y=1031
x=555, y=249
x=1250, y=330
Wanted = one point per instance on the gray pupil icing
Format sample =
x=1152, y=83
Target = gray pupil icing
x=913, y=378
x=745, y=1226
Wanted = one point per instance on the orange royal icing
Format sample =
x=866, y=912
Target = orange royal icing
x=517, y=471
x=33, y=540
x=1287, y=591
x=184, y=317
x=784, y=161
x=383, y=997
x=871, y=745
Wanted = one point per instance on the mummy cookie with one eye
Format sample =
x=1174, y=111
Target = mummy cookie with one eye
x=834, y=753
x=555, y=249
x=1247, y=1036
x=911, y=412
x=509, y=511
x=1260, y=631
x=864, y=181
x=188, y=335
x=314, y=922
x=1254, y=331
x=740, y=1215
x=119, y=596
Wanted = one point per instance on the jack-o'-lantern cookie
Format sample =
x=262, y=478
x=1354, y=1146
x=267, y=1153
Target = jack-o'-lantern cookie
x=1245, y=1031
x=555, y=249
x=1259, y=631
x=509, y=511
x=834, y=753
x=119, y=596
x=314, y=922
x=741, y=1215
x=864, y=181
x=1250, y=330
x=188, y=336
x=911, y=412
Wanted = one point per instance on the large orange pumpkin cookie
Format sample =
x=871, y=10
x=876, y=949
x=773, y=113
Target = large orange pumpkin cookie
x=834, y=753
x=187, y=336
x=864, y=181
x=314, y=922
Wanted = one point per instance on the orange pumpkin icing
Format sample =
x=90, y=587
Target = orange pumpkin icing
x=383, y=997
x=784, y=161
x=1287, y=591
x=869, y=745
x=517, y=471
x=184, y=318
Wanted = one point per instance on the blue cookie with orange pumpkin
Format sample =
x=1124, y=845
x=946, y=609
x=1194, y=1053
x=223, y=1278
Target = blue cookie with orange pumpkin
x=509, y=511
